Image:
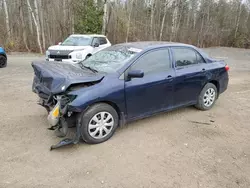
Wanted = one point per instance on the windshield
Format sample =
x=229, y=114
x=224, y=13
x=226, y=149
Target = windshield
x=110, y=59
x=77, y=41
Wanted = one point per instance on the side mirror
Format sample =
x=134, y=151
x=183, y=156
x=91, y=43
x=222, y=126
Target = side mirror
x=96, y=45
x=135, y=74
x=59, y=43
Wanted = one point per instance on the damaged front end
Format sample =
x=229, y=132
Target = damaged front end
x=53, y=83
x=61, y=119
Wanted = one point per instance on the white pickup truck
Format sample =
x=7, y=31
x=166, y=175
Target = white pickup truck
x=77, y=48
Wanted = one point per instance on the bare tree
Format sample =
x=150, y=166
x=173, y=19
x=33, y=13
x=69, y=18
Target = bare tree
x=23, y=26
x=238, y=19
x=105, y=17
x=7, y=19
x=152, y=18
x=163, y=18
x=42, y=24
x=30, y=23
x=174, y=19
x=129, y=20
x=36, y=22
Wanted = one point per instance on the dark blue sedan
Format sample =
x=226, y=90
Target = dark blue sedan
x=3, y=58
x=126, y=82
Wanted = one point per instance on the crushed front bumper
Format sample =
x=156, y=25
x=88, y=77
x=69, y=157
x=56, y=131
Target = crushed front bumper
x=69, y=141
x=59, y=118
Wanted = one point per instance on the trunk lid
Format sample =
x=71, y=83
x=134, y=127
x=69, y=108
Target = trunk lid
x=53, y=78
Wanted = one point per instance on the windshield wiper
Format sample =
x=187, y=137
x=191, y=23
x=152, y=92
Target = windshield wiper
x=89, y=68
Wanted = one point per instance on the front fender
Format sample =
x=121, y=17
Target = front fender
x=109, y=92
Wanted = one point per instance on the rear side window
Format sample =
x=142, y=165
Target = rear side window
x=186, y=56
x=95, y=40
x=102, y=40
x=153, y=61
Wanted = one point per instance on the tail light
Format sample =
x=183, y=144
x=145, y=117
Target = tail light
x=227, y=68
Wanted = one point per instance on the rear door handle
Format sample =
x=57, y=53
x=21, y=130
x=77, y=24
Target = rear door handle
x=203, y=70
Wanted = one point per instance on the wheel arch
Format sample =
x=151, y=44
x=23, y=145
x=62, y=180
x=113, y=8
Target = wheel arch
x=114, y=105
x=217, y=85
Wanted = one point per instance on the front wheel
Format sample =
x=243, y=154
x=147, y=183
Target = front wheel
x=207, y=97
x=99, y=123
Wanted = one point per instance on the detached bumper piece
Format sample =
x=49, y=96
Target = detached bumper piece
x=69, y=141
x=57, y=119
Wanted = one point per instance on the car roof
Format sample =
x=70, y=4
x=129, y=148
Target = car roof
x=152, y=44
x=90, y=35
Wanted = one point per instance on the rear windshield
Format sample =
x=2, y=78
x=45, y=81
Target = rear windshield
x=110, y=59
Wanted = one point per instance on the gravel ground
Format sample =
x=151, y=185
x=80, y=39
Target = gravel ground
x=167, y=150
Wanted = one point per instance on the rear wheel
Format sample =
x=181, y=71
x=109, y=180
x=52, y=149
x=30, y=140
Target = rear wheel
x=207, y=97
x=3, y=61
x=99, y=123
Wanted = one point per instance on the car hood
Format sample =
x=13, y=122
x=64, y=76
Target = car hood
x=53, y=77
x=71, y=48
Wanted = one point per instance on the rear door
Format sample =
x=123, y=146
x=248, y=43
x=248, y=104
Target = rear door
x=190, y=78
x=153, y=92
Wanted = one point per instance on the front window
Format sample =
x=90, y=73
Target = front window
x=153, y=62
x=110, y=59
x=77, y=41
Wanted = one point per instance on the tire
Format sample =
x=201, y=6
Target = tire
x=3, y=61
x=207, y=97
x=93, y=123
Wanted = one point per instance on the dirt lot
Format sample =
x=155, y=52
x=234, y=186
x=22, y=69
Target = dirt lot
x=168, y=150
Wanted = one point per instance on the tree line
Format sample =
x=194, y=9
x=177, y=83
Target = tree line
x=33, y=25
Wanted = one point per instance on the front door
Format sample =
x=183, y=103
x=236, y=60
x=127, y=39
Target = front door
x=153, y=92
x=190, y=75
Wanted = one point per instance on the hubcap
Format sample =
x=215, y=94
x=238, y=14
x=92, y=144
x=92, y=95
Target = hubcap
x=209, y=97
x=101, y=125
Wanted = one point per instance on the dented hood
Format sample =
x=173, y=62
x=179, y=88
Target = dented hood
x=53, y=77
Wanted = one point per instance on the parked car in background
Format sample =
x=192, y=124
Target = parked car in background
x=126, y=82
x=3, y=58
x=77, y=48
